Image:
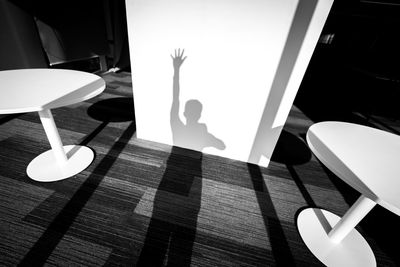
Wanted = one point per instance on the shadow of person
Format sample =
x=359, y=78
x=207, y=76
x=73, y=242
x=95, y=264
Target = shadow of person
x=172, y=229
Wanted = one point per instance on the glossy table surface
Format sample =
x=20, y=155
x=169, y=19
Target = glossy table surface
x=366, y=158
x=27, y=90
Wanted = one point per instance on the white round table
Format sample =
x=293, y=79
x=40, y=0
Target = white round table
x=368, y=160
x=40, y=90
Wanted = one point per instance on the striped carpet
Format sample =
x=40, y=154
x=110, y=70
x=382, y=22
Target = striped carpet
x=147, y=204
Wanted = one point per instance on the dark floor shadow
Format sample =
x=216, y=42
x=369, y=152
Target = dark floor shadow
x=291, y=150
x=383, y=227
x=172, y=229
x=117, y=109
x=279, y=245
x=349, y=194
x=310, y=202
x=56, y=230
x=9, y=117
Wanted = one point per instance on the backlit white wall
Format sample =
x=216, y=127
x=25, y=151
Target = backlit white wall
x=234, y=52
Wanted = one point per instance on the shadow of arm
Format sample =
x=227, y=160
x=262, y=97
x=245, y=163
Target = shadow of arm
x=177, y=62
x=215, y=142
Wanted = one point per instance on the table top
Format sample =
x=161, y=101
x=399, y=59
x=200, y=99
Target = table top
x=27, y=90
x=366, y=158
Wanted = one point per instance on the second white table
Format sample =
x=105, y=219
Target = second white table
x=368, y=160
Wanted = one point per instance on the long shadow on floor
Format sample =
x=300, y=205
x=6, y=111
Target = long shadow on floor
x=288, y=151
x=56, y=230
x=172, y=229
x=291, y=150
x=279, y=246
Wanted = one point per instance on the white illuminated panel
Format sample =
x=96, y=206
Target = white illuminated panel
x=233, y=49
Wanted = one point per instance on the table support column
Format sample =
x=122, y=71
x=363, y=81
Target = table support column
x=334, y=240
x=352, y=217
x=52, y=135
x=60, y=161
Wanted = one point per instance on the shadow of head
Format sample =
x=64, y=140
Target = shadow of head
x=193, y=110
x=118, y=109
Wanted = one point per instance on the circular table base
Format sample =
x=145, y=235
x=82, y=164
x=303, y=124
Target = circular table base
x=44, y=168
x=353, y=250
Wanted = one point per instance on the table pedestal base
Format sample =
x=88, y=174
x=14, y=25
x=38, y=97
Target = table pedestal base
x=314, y=226
x=45, y=168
